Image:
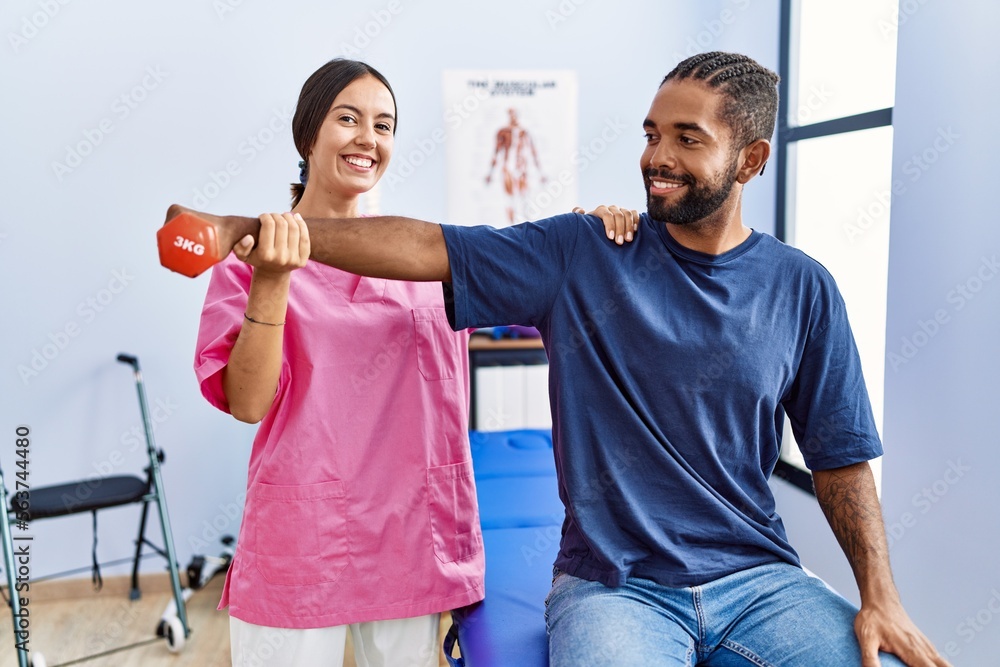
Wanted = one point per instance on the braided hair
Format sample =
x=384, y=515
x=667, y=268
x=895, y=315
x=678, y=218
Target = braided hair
x=750, y=91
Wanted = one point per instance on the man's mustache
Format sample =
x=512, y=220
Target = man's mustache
x=664, y=175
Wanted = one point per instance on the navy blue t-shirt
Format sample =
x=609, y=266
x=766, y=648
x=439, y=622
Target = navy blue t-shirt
x=670, y=372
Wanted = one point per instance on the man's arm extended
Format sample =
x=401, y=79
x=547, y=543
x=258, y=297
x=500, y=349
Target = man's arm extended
x=382, y=247
x=847, y=496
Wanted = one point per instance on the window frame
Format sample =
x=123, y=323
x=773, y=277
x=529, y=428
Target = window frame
x=787, y=135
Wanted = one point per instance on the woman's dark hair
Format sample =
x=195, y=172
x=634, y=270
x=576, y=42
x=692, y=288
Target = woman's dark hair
x=317, y=96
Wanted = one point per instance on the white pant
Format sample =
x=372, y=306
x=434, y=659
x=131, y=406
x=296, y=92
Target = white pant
x=406, y=642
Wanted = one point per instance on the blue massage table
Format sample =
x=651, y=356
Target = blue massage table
x=521, y=516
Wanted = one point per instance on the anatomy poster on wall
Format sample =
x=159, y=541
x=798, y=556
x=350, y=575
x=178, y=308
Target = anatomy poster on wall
x=511, y=136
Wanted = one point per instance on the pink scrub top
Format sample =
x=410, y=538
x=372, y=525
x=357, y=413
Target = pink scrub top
x=360, y=499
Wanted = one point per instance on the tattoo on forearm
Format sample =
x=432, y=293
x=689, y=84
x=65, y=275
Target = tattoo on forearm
x=850, y=505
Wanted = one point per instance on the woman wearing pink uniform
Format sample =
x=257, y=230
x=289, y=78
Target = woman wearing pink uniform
x=360, y=512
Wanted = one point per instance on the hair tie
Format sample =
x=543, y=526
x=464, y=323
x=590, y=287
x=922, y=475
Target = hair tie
x=303, y=171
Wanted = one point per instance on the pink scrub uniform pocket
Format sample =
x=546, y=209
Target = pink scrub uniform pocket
x=452, y=506
x=437, y=345
x=300, y=532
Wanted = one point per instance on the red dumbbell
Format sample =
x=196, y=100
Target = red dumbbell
x=190, y=243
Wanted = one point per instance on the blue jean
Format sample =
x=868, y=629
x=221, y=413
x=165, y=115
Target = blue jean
x=771, y=615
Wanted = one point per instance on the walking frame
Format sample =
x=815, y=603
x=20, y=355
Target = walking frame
x=112, y=491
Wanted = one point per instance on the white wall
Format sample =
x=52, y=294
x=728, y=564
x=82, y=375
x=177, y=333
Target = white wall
x=162, y=98
x=941, y=419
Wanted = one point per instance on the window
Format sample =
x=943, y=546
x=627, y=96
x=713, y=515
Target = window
x=834, y=150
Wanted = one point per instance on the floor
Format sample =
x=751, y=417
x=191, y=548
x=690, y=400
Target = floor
x=67, y=630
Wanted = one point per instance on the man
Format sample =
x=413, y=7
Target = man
x=672, y=552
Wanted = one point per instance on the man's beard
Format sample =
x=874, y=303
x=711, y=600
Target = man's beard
x=699, y=202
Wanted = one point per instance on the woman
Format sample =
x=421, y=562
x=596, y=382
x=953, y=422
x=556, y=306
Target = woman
x=361, y=511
